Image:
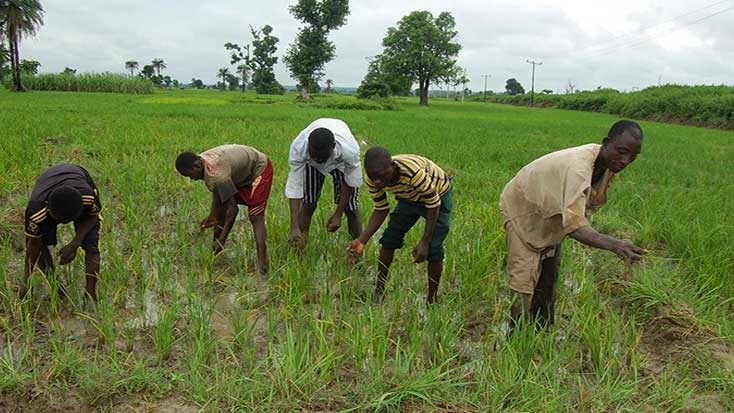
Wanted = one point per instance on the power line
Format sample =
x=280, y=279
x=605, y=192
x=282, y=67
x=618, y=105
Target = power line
x=643, y=41
x=642, y=30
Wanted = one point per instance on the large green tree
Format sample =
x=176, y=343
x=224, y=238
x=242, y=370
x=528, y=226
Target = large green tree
x=380, y=83
x=20, y=18
x=422, y=48
x=262, y=60
x=311, y=49
x=513, y=87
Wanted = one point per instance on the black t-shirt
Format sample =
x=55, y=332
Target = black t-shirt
x=37, y=219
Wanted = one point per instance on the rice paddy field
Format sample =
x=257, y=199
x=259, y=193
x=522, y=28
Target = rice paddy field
x=176, y=329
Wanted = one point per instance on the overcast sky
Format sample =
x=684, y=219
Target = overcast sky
x=622, y=44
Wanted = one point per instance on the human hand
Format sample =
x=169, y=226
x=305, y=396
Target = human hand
x=628, y=251
x=355, y=246
x=420, y=252
x=334, y=223
x=296, y=239
x=67, y=253
x=208, y=222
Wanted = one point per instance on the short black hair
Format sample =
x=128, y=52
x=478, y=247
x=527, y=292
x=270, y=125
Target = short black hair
x=376, y=159
x=628, y=126
x=65, y=203
x=185, y=161
x=321, y=141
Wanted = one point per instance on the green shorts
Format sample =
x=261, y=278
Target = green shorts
x=406, y=214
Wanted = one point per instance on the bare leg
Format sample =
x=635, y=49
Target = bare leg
x=45, y=264
x=434, y=277
x=304, y=217
x=258, y=226
x=354, y=223
x=542, y=307
x=386, y=257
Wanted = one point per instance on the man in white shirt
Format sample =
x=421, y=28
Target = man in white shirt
x=324, y=146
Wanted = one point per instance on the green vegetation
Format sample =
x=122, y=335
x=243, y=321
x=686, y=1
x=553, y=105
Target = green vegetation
x=710, y=106
x=176, y=328
x=88, y=82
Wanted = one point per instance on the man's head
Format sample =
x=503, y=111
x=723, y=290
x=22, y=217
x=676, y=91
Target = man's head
x=622, y=145
x=321, y=145
x=190, y=165
x=379, y=167
x=65, y=204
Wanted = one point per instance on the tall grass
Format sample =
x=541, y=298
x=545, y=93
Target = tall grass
x=89, y=82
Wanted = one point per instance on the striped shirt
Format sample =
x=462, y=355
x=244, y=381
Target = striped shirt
x=419, y=180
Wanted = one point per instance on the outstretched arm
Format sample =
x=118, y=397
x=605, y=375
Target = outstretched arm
x=68, y=252
x=625, y=250
x=376, y=219
x=345, y=194
x=227, y=212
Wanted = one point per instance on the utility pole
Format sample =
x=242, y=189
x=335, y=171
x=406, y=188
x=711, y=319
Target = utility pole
x=532, y=82
x=484, y=92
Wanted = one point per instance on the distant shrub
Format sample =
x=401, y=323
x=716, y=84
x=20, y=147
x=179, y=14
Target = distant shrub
x=88, y=82
x=361, y=104
x=372, y=89
x=711, y=106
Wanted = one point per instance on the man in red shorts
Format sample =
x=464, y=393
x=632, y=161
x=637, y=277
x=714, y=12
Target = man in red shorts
x=235, y=174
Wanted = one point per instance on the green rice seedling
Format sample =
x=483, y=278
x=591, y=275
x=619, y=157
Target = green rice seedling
x=297, y=370
x=668, y=393
x=13, y=368
x=310, y=321
x=164, y=332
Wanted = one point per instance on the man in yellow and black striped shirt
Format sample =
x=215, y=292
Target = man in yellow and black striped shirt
x=62, y=194
x=422, y=189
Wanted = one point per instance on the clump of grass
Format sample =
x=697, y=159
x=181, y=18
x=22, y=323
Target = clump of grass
x=164, y=333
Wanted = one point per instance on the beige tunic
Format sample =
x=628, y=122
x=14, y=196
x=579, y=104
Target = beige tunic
x=229, y=168
x=552, y=196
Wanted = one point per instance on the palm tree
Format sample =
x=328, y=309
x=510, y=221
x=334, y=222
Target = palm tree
x=244, y=72
x=21, y=18
x=329, y=84
x=158, y=65
x=223, y=73
x=131, y=65
x=4, y=57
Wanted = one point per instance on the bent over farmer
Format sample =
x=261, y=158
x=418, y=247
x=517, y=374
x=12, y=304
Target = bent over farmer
x=551, y=198
x=236, y=175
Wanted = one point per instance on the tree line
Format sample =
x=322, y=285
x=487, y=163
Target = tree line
x=420, y=50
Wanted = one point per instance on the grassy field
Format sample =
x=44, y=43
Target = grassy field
x=176, y=329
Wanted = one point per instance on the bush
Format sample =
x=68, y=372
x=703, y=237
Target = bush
x=88, y=82
x=367, y=90
x=711, y=106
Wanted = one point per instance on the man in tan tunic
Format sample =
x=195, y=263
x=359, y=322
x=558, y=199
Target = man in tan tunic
x=235, y=174
x=551, y=198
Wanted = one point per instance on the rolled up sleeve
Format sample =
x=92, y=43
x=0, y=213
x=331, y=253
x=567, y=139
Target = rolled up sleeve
x=352, y=169
x=297, y=162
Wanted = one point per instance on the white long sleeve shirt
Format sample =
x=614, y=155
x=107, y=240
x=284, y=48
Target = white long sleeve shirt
x=345, y=157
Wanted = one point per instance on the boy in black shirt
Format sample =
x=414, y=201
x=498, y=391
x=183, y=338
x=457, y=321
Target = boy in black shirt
x=62, y=194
